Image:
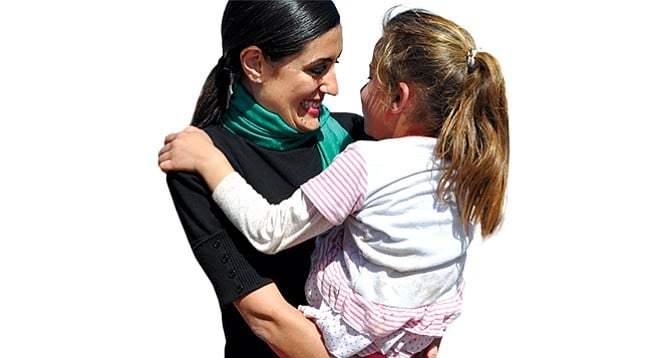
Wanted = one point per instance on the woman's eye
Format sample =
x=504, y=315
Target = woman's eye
x=318, y=70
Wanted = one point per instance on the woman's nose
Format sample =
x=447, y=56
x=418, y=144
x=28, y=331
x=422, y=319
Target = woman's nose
x=329, y=83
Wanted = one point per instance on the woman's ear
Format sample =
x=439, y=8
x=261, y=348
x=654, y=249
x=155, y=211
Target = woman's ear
x=401, y=100
x=252, y=61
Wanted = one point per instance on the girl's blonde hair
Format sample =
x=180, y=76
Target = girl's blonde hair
x=461, y=100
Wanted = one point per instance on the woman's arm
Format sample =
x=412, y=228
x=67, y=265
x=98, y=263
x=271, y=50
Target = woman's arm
x=280, y=325
x=263, y=308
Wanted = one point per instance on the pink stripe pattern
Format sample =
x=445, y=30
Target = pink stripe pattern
x=339, y=190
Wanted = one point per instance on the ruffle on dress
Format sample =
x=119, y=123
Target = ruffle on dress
x=390, y=330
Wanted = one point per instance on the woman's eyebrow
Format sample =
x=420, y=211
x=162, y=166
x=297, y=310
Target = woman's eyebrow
x=328, y=59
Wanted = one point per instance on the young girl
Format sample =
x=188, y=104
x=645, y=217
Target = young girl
x=399, y=212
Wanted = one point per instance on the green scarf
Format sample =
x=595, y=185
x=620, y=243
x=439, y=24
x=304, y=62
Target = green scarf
x=250, y=120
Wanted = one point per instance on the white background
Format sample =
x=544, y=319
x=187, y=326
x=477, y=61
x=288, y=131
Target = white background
x=93, y=260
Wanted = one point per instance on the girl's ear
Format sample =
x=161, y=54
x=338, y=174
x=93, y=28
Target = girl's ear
x=252, y=61
x=401, y=100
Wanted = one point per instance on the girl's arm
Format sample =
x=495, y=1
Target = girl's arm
x=269, y=228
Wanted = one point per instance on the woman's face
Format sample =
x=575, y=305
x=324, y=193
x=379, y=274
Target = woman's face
x=374, y=108
x=294, y=87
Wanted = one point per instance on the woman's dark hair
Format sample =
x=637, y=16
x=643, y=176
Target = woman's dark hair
x=279, y=28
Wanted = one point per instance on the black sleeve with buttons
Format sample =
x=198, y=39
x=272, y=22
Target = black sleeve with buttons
x=233, y=266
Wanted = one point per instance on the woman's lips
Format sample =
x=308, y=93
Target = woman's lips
x=313, y=111
x=311, y=107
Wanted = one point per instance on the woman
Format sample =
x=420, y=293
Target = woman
x=278, y=62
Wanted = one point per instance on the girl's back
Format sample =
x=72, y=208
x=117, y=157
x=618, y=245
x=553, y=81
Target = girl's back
x=407, y=247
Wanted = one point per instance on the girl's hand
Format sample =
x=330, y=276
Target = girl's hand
x=192, y=150
x=187, y=150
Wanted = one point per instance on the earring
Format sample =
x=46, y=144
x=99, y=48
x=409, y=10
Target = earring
x=257, y=80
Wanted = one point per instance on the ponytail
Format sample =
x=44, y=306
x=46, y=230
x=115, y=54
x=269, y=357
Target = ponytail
x=461, y=97
x=215, y=95
x=474, y=141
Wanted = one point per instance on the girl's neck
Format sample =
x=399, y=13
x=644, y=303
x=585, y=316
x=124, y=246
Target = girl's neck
x=406, y=128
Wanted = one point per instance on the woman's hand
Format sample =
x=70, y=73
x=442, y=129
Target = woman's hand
x=432, y=351
x=192, y=150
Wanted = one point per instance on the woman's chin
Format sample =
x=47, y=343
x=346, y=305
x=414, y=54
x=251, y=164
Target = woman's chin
x=306, y=123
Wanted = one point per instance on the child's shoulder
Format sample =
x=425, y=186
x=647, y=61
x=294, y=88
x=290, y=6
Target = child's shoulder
x=408, y=142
